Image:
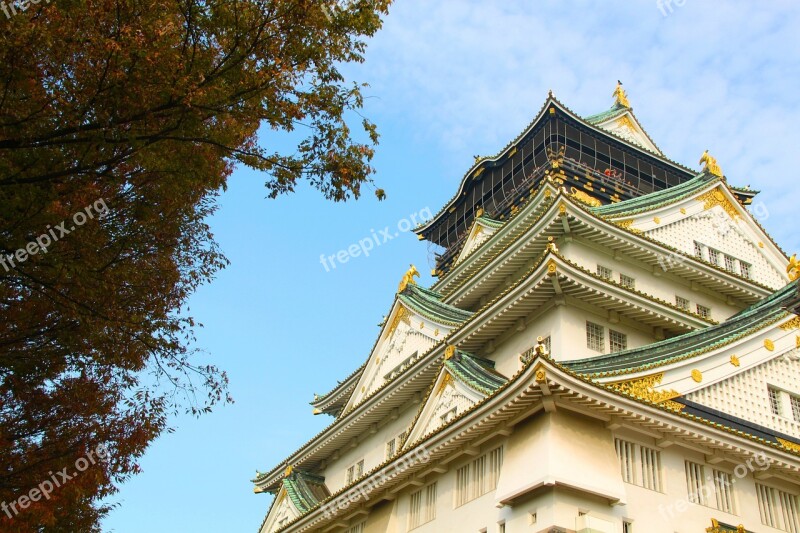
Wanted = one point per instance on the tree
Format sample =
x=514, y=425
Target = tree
x=120, y=122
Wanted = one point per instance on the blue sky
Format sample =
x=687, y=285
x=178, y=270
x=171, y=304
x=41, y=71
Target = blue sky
x=449, y=80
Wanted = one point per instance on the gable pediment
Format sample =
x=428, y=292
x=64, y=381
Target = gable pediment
x=712, y=217
x=625, y=126
x=417, y=321
x=283, y=512
x=464, y=380
x=482, y=228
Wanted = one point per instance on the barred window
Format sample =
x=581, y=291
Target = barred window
x=778, y=509
x=358, y=528
x=682, y=302
x=604, y=272
x=423, y=506
x=723, y=488
x=703, y=311
x=393, y=446
x=595, y=337
x=775, y=400
x=627, y=281
x=745, y=269
x=355, y=471
x=698, y=250
x=795, y=407
x=790, y=511
x=618, y=341
x=462, y=485
x=639, y=465
x=767, y=505
x=713, y=256
x=730, y=264
x=493, y=468
x=695, y=483
x=478, y=477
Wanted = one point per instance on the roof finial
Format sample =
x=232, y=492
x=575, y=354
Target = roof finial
x=408, y=279
x=711, y=165
x=550, y=93
x=793, y=270
x=619, y=94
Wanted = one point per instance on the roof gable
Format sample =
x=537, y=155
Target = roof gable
x=482, y=228
x=705, y=210
x=417, y=321
x=464, y=380
x=621, y=121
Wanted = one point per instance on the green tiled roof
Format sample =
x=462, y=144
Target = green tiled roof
x=769, y=310
x=429, y=304
x=475, y=372
x=656, y=199
x=305, y=490
x=490, y=222
x=615, y=111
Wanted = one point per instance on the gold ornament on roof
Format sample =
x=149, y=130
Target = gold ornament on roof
x=793, y=268
x=551, y=245
x=789, y=445
x=584, y=198
x=644, y=388
x=715, y=198
x=288, y=471
x=449, y=352
x=541, y=348
x=735, y=360
x=710, y=164
x=620, y=95
x=408, y=279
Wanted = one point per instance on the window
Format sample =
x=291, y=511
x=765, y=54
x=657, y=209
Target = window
x=627, y=527
x=744, y=269
x=774, y=401
x=390, y=448
x=730, y=264
x=639, y=465
x=703, y=311
x=501, y=527
x=423, y=506
x=723, y=488
x=795, y=407
x=698, y=250
x=478, y=477
x=778, y=509
x=394, y=444
x=682, y=302
x=619, y=341
x=595, y=338
x=358, y=528
x=651, y=468
x=604, y=272
x=627, y=281
x=791, y=512
x=355, y=471
x=462, y=485
x=767, y=505
x=626, y=453
x=494, y=466
x=695, y=483
x=713, y=256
